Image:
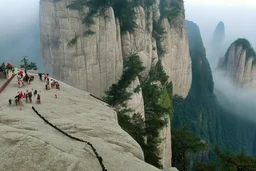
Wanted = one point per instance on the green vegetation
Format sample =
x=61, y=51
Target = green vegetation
x=27, y=65
x=202, y=114
x=170, y=10
x=117, y=95
x=88, y=33
x=72, y=42
x=158, y=109
x=247, y=46
x=184, y=143
x=157, y=104
x=123, y=9
x=239, y=162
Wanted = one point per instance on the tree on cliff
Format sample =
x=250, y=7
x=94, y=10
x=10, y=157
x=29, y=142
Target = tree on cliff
x=184, y=143
x=239, y=162
x=157, y=104
x=27, y=65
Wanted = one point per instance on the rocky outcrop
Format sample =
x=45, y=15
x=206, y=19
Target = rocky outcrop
x=216, y=47
x=28, y=143
x=239, y=63
x=95, y=61
x=177, y=61
x=219, y=34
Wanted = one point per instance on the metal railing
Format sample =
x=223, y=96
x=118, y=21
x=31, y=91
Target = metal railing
x=74, y=138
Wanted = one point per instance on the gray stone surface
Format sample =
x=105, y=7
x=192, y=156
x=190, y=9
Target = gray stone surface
x=238, y=69
x=29, y=144
x=96, y=61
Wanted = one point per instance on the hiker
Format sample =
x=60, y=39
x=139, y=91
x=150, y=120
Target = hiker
x=17, y=100
x=21, y=95
x=38, y=99
x=26, y=95
x=19, y=83
x=52, y=83
x=46, y=85
x=21, y=73
x=40, y=76
x=30, y=96
x=57, y=85
x=10, y=102
x=46, y=76
x=35, y=93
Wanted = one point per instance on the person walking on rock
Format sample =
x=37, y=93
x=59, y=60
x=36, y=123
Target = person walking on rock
x=38, y=99
x=35, y=93
x=10, y=102
x=30, y=96
x=26, y=95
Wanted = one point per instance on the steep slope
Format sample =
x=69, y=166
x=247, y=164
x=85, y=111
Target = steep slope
x=201, y=110
x=97, y=58
x=216, y=48
x=85, y=44
x=23, y=43
x=239, y=63
x=28, y=143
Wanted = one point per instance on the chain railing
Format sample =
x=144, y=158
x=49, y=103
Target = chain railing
x=74, y=138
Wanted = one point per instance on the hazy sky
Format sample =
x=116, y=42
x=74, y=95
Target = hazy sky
x=223, y=2
x=237, y=15
x=17, y=14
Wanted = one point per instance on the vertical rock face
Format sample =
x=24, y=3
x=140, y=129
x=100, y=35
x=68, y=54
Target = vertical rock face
x=239, y=63
x=95, y=61
x=177, y=61
x=216, y=46
x=219, y=34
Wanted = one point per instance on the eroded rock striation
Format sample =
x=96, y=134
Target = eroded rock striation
x=95, y=61
x=239, y=63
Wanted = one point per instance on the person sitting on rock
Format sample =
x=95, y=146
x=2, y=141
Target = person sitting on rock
x=38, y=99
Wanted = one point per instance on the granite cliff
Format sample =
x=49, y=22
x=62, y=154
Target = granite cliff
x=90, y=56
x=239, y=63
x=28, y=143
x=216, y=47
x=96, y=60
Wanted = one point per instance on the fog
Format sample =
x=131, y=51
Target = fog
x=239, y=23
x=19, y=31
x=17, y=15
x=238, y=101
x=238, y=19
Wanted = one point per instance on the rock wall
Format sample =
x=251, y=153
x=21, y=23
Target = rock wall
x=238, y=66
x=96, y=61
x=177, y=61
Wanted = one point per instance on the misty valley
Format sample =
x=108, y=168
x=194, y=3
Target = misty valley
x=143, y=85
